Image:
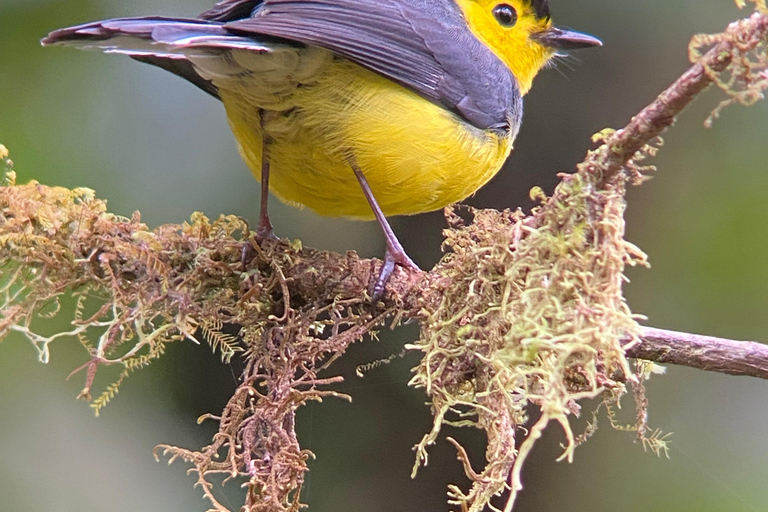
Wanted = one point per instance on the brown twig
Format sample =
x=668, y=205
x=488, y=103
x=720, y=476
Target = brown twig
x=703, y=352
x=660, y=114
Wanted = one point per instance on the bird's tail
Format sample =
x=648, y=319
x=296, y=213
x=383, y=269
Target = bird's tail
x=153, y=35
x=162, y=42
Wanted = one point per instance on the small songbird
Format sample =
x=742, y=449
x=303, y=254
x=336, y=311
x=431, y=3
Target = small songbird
x=356, y=108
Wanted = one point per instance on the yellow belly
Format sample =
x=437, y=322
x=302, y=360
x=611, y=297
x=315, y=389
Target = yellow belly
x=417, y=156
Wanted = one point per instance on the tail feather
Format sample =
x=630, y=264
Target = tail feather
x=161, y=37
x=183, y=68
x=162, y=42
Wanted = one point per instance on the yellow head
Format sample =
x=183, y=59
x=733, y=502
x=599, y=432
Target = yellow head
x=521, y=34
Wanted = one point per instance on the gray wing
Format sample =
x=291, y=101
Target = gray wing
x=374, y=33
x=424, y=45
x=230, y=10
x=421, y=44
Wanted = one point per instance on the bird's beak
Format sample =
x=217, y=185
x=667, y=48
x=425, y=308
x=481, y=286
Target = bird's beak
x=559, y=39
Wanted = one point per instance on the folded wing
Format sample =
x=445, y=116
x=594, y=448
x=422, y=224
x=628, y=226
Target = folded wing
x=423, y=45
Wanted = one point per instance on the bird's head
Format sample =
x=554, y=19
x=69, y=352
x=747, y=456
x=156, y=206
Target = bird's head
x=521, y=34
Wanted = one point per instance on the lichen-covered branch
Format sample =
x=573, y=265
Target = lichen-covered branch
x=135, y=291
x=522, y=312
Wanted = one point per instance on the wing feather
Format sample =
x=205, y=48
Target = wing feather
x=424, y=45
x=373, y=33
x=229, y=10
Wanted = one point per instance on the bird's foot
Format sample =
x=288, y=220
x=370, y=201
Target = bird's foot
x=394, y=256
x=264, y=232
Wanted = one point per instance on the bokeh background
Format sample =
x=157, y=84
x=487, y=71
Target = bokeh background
x=147, y=141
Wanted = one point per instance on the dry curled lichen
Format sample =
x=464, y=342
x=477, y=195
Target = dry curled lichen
x=134, y=289
x=137, y=290
x=532, y=312
x=746, y=77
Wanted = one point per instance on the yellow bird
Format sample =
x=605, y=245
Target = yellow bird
x=356, y=108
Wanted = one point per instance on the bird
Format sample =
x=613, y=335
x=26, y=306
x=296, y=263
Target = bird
x=362, y=109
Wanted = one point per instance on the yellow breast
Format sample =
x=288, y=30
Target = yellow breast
x=320, y=110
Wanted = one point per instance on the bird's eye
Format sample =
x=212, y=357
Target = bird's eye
x=505, y=14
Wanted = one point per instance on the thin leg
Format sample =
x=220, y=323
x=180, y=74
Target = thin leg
x=264, y=230
x=395, y=253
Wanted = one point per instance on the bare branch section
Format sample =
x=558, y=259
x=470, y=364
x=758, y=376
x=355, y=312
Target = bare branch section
x=702, y=352
x=522, y=312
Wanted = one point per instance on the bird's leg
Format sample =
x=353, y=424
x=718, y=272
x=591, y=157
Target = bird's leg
x=395, y=253
x=264, y=230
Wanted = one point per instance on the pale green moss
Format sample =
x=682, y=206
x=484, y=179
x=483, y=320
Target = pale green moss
x=532, y=314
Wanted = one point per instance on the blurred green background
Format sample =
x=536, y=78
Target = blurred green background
x=147, y=141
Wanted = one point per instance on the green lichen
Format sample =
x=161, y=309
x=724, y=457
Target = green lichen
x=532, y=314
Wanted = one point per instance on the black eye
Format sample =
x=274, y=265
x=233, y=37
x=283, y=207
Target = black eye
x=505, y=14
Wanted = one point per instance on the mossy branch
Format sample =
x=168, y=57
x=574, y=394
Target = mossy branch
x=740, y=50
x=523, y=311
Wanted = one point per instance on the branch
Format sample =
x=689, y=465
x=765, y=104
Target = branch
x=702, y=352
x=622, y=145
x=707, y=353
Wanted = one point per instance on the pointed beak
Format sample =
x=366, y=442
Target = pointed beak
x=559, y=39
